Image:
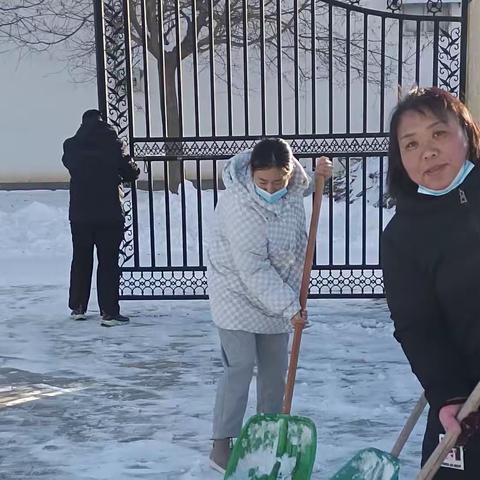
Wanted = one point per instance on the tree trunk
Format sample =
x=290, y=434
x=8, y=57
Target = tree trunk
x=172, y=116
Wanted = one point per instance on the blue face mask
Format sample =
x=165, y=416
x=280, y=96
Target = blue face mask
x=458, y=180
x=271, y=197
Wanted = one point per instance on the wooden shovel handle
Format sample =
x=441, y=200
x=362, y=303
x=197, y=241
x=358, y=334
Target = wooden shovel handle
x=312, y=239
x=448, y=441
x=292, y=370
x=409, y=426
x=307, y=270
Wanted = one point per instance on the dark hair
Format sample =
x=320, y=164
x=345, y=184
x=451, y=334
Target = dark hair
x=439, y=103
x=91, y=116
x=272, y=152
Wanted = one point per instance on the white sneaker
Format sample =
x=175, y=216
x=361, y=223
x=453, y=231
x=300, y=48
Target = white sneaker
x=78, y=315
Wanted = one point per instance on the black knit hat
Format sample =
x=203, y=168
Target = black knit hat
x=91, y=115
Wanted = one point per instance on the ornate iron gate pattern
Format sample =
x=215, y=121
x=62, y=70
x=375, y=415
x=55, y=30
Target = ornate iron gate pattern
x=143, y=276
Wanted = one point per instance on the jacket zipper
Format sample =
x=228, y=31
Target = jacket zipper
x=473, y=218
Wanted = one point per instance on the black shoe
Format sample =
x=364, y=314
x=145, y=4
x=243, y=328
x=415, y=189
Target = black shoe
x=220, y=454
x=78, y=314
x=113, y=320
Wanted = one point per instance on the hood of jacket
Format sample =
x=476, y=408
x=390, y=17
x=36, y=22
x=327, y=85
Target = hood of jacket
x=238, y=179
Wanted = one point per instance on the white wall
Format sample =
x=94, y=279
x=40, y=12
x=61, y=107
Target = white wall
x=40, y=107
x=473, y=66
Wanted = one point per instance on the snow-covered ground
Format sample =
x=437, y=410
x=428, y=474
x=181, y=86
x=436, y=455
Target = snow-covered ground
x=78, y=401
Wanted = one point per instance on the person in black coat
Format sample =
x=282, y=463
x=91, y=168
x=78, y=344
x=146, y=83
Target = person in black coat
x=97, y=165
x=431, y=260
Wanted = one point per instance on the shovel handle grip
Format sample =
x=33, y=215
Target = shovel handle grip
x=448, y=441
x=307, y=270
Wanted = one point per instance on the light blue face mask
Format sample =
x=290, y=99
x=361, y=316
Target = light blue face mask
x=271, y=197
x=458, y=180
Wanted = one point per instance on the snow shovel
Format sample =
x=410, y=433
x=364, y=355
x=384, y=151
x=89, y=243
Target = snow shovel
x=449, y=440
x=374, y=464
x=281, y=446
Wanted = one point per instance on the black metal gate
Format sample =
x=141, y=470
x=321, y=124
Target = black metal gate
x=190, y=83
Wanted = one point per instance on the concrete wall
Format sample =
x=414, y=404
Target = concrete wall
x=40, y=108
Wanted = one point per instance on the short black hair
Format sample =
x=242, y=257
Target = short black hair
x=439, y=103
x=272, y=152
x=92, y=115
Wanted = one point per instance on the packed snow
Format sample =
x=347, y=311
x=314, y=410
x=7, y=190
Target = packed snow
x=82, y=402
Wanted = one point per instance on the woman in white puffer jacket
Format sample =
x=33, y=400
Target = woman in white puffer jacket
x=256, y=253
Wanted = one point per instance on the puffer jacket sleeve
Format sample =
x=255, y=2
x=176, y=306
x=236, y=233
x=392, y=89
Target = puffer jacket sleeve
x=311, y=184
x=67, y=157
x=246, y=231
x=417, y=316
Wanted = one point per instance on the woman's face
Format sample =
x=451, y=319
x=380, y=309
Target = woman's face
x=271, y=179
x=432, y=150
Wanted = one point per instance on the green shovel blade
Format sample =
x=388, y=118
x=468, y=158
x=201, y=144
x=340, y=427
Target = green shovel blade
x=370, y=464
x=274, y=447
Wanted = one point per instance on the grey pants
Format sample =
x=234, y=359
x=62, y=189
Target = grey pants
x=240, y=351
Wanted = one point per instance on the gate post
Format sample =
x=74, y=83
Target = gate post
x=98, y=14
x=473, y=54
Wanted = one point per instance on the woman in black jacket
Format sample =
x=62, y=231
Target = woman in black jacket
x=97, y=165
x=431, y=259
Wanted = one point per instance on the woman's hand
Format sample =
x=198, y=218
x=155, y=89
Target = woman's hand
x=324, y=167
x=448, y=418
x=300, y=318
x=467, y=429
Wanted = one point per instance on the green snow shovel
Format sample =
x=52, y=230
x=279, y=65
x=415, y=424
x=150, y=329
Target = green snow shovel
x=374, y=464
x=281, y=446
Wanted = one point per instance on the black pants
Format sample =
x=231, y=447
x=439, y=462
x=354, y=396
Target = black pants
x=106, y=238
x=471, y=452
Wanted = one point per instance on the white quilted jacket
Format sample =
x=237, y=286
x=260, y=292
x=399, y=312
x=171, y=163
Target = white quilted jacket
x=256, y=251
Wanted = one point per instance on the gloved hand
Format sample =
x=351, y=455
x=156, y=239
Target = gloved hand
x=129, y=170
x=470, y=428
x=135, y=168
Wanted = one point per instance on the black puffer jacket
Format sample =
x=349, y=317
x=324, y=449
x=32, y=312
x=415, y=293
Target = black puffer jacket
x=95, y=160
x=431, y=267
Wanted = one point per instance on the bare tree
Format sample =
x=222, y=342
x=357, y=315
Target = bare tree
x=40, y=25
